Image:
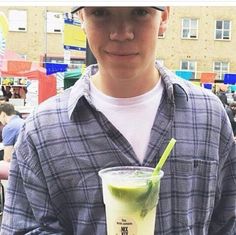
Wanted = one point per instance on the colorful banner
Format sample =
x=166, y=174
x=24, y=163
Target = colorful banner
x=208, y=77
x=233, y=88
x=14, y=81
x=74, y=36
x=207, y=86
x=187, y=75
x=3, y=36
x=18, y=66
x=54, y=68
x=230, y=78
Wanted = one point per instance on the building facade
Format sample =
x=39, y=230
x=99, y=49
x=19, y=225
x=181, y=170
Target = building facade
x=36, y=33
x=201, y=39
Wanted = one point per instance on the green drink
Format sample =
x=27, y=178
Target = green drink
x=130, y=195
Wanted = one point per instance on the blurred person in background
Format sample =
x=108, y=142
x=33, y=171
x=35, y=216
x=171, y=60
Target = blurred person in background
x=222, y=96
x=234, y=95
x=16, y=93
x=2, y=100
x=12, y=124
x=6, y=90
x=231, y=111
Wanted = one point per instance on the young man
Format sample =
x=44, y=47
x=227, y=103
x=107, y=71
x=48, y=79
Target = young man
x=123, y=111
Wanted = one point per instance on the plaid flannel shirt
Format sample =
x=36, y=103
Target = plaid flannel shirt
x=54, y=187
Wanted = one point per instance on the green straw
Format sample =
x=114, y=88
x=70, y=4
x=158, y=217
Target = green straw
x=164, y=157
x=148, y=195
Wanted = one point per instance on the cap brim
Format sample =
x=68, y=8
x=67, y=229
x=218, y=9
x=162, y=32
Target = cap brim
x=159, y=8
x=75, y=9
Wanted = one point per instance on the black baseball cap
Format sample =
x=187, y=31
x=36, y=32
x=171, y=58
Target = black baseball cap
x=75, y=9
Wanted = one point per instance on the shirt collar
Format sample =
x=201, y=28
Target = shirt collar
x=173, y=85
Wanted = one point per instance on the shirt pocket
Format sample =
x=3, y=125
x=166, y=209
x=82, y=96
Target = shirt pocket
x=187, y=195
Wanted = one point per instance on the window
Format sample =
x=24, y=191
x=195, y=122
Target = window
x=58, y=60
x=221, y=68
x=189, y=28
x=223, y=30
x=55, y=22
x=74, y=63
x=17, y=20
x=189, y=66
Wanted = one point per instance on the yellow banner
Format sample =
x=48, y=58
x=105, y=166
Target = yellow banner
x=3, y=36
x=74, y=36
x=3, y=25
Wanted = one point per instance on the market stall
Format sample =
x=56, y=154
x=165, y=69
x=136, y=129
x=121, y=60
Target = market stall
x=18, y=73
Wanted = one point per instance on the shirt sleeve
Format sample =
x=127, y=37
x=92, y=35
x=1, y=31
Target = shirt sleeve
x=223, y=218
x=28, y=208
x=8, y=136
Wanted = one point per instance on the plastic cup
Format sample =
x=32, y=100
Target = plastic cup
x=130, y=195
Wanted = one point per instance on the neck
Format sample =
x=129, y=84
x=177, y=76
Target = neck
x=125, y=87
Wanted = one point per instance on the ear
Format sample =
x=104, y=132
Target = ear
x=80, y=14
x=164, y=20
x=81, y=18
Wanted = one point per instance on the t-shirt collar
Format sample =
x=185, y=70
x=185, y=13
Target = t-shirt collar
x=82, y=87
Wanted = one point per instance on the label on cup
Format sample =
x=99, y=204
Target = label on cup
x=125, y=226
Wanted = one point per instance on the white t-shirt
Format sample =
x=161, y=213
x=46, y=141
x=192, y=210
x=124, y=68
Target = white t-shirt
x=133, y=117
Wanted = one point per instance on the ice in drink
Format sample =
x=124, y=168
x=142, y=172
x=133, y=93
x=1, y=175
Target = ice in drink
x=130, y=195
